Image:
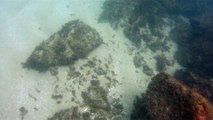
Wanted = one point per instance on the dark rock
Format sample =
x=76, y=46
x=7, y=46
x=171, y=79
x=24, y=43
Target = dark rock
x=97, y=100
x=158, y=45
x=96, y=97
x=136, y=14
x=162, y=63
x=75, y=40
x=59, y=96
x=147, y=70
x=169, y=99
x=73, y=73
x=86, y=116
x=138, y=60
x=99, y=71
x=23, y=111
x=201, y=85
x=117, y=12
x=133, y=34
x=67, y=114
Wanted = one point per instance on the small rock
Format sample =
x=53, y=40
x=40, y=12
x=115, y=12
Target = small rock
x=147, y=70
x=138, y=60
x=67, y=114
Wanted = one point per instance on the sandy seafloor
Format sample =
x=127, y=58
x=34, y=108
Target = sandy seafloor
x=25, y=23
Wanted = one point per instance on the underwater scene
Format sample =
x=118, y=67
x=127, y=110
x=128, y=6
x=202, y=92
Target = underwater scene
x=106, y=60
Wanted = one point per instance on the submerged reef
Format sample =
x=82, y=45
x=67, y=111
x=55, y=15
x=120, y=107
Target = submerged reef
x=67, y=114
x=169, y=99
x=196, y=46
x=143, y=23
x=201, y=85
x=75, y=40
x=96, y=104
x=117, y=12
x=133, y=15
x=99, y=105
x=162, y=63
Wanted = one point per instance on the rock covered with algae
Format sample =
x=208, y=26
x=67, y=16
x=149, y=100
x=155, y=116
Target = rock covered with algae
x=96, y=105
x=75, y=40
x=67, y=114
x=169, y=99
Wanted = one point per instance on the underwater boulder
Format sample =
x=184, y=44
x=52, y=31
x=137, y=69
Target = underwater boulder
x=75, y=40
x=97, y=100
x=201, y=85
x=169, y=99
x=96, y=105
x=67, y=114
x=96, y=97
x=117, y=12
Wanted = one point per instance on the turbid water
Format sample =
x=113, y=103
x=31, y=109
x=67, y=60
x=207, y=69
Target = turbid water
x=25, y=24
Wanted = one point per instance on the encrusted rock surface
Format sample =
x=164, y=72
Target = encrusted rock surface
x=117, y=12
x=96, y=104
x=75, y=40
x=169, y=99
x=162, y=63
x=201, y=85
x=96, y=96
x=67, y=114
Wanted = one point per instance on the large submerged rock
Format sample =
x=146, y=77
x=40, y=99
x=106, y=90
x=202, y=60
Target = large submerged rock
x=201, y=85
x=169, y=99
x=75, y=40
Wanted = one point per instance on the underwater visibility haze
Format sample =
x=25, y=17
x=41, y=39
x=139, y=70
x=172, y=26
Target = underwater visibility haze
x=106, y=60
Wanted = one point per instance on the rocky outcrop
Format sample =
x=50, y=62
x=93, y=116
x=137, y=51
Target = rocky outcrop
x=143, y=22
x=195, y=82
x=97, y=106
x=75, y=40
x=96, y=98
x=169, y=99
x=117, y=12
x=67, y=114
x=137, y=14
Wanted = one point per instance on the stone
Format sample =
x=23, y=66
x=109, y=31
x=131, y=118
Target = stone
x=138, y=60
x=132, y=15
x=67, y=114
x=162, y=63
x=169, y=99
x=96, y=97
x=117, y=12
x=75, y=40
x=100, y=105
x=147, y=70
x=201, y=85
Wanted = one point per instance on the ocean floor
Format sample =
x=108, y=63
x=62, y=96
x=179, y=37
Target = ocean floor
x=27, y=23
